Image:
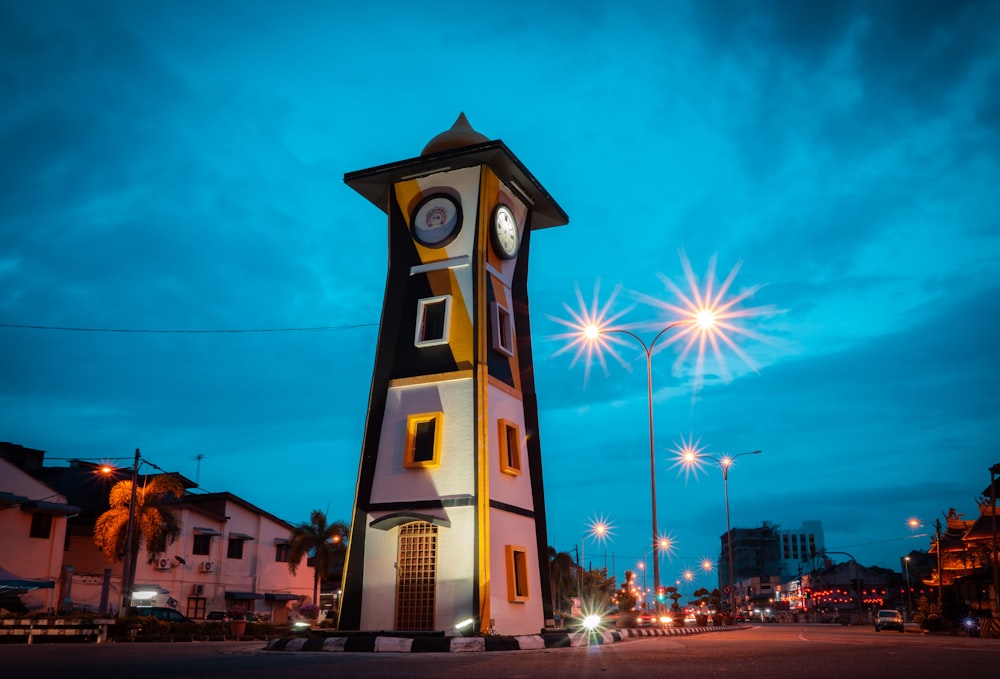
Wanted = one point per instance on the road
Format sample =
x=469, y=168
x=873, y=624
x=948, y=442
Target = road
x=812, y=651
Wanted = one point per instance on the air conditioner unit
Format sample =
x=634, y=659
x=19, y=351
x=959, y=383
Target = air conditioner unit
x=165, y=563
x=207, y=566
x=197, y=590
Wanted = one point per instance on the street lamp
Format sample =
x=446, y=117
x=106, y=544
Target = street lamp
x=642, y=567
x=600, y=529
x=128, y=567
x=909, y=594
x=704, y=319
x=692, y=457
x=857, y=583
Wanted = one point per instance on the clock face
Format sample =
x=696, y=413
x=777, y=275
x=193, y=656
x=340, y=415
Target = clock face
x=503, y=232
x=436, y=221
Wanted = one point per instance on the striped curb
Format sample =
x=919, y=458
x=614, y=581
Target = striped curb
x=373, y=643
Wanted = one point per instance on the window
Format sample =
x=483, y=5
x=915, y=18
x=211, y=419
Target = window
x=281, y=552
x=202, y=544
x=433, y=321
x=196, y=607
x=503, y=330
x=41, y=526
x=423, y=441
x=510, y=448
x=235, y=550
x=517, y=573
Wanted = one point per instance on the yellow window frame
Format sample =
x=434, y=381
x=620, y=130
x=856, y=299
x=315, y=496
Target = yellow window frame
x=517, y=573
x=510, y=458
x=413, y=425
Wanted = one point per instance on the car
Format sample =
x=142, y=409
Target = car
x=217, y=616
x=160, y=613
x=653, y=620
x=888, y=619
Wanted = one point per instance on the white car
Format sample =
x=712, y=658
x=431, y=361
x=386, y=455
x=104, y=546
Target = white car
x=888, y=619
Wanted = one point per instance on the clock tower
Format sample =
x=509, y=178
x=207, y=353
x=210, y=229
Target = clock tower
x=448, y=529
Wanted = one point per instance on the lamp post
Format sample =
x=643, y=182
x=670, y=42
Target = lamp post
x=599, y=529
x=857, y=583
x=128, y=570
x=724, y=462
x=909, y=594
x=642, y=567
x=705, y=320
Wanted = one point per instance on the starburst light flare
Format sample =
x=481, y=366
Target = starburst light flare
x=689, y=457
x=585, y=335
x=600, y=528
x=667, y=544
x=714, y=314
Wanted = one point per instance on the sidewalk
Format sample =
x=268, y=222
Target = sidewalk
x=385, y=642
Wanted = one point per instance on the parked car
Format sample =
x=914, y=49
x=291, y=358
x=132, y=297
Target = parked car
x=217, y=616
x=888, y=619
x=160, y=613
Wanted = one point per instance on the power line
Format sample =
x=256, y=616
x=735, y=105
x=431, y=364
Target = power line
x=325, y=328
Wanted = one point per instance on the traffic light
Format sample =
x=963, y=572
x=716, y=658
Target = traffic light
x=660, y=593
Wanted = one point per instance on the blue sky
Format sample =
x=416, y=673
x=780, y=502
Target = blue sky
x=179, y=166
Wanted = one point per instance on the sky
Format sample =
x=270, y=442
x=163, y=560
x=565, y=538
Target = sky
x=178, y=167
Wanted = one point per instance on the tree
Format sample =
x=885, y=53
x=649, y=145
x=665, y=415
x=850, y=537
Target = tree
x=563, y=583
x=319, y=541
x=155, y=524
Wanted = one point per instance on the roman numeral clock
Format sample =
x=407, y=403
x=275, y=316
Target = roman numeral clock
x=448, y=529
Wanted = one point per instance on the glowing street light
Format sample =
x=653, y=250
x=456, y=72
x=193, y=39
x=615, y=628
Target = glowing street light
x=691, y=457
x=128, y=571
x=909, y=594
x=595, y=332
x=706, y=316
x=600, y=529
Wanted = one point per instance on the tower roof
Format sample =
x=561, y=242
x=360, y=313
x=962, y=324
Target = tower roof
x=458, y=147
x=458, y=135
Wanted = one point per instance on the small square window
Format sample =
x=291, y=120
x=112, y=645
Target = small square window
x=41, y=526
x=510, y=447
x=235, y=550
x=503, y=330
x=201, y=544
x=423, y=441
x=517, y=573
x=282, y=551
x=433, y=321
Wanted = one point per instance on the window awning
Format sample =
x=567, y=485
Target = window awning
x=243, y=595
x=53, y=508
x=282, y=541
x=240, y=536
x=281, y=596
x=390, y=521
x=198, y=530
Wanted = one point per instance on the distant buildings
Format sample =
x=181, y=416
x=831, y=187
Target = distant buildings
x=771, y=551
x=229, y=553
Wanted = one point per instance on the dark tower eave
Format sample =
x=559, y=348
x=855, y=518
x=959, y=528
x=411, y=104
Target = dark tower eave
x=374, y=182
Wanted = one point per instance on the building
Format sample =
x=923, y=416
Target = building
x=448, y=528
x=770, y=552
x=229, y=552
x=33, y=528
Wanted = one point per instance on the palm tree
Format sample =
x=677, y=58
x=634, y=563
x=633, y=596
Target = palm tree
x=319, y=541
x=155, y=525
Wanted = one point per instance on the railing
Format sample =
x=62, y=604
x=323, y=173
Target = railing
x=93, y=629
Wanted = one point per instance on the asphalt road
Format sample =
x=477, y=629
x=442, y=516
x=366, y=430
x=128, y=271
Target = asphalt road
x=811, y=651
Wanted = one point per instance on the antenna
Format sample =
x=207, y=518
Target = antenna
x=197, y=472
